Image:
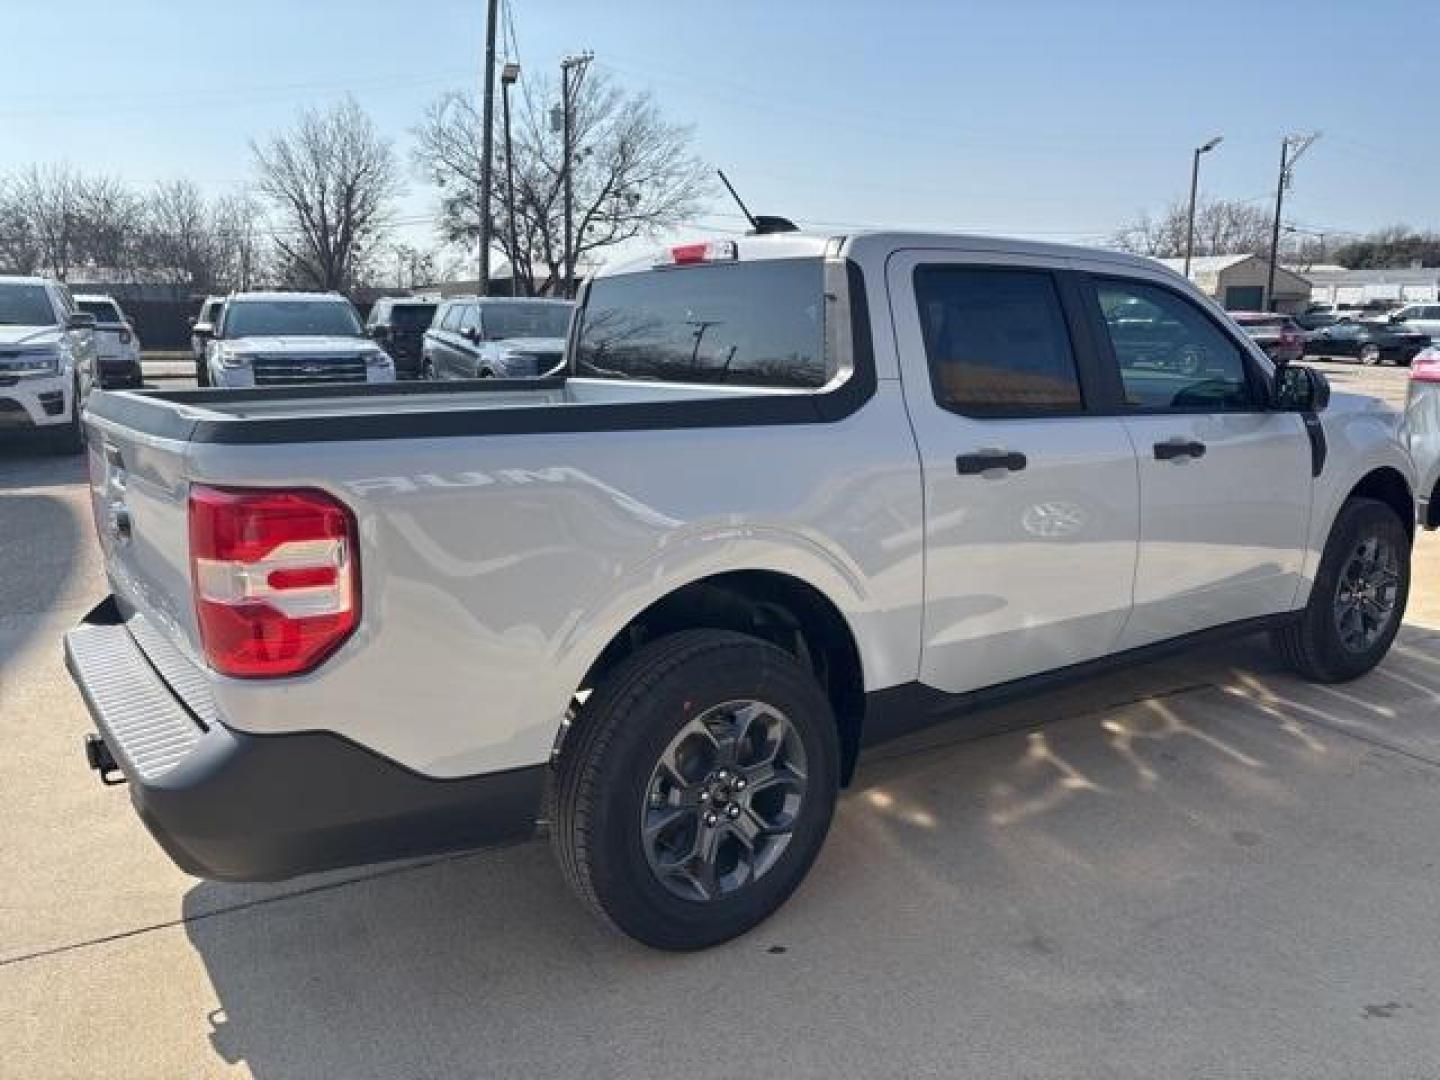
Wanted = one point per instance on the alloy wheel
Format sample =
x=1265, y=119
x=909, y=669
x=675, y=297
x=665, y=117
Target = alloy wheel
x=1370, y=355
x=723, y=800
x=1365, y=600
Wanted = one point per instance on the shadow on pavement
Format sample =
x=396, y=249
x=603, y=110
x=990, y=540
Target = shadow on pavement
x=40, y=536
x=1110, y=851
x=28, y=463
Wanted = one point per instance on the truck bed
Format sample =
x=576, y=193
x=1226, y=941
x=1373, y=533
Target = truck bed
x=431, y=409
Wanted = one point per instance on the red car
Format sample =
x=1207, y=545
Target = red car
x=1279, y=335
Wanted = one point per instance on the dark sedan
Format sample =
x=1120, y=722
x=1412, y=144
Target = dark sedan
x=1370, y=343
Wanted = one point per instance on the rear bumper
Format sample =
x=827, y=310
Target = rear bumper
x=236, y=807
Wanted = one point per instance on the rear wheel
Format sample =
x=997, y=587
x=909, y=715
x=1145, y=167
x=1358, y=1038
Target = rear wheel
x=696, y=788
x=202, y=373
x=1358, y=599
x=1369, y=355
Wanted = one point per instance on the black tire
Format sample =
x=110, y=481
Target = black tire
x=607, y=768
x=68, y=438
x=1313, y=645
x=202, y=373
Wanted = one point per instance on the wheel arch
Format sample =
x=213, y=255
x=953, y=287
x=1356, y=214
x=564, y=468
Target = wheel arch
x=1387, y=485
x=773, y=606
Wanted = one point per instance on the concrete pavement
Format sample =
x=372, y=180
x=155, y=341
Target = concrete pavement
x=1201, y=867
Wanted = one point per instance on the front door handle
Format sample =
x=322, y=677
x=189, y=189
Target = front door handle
x=984, y=460
x=1179, y=448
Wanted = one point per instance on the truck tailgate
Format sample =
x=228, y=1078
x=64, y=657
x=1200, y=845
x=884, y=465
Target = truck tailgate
x=138, y=491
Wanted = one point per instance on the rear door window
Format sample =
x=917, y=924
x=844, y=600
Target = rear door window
x=997, y=341
x=744, y=323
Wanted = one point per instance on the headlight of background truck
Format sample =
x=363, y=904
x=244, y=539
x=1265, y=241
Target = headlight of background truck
x=31, y=362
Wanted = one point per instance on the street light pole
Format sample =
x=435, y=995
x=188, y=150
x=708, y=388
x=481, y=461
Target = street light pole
x=567, y=107
x=1194, y=188
x=487, y=140
x=508, y=75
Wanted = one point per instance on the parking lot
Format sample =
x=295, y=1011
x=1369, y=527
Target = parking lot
x=1196, y=867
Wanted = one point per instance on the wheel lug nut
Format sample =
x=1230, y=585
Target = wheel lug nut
x=704, y=796
x=724, y=774
x=740, y=784
x=711, y=819
x=734, y=810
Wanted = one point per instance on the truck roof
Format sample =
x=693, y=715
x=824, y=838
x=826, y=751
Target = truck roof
x=23, y=279
x=792, y=245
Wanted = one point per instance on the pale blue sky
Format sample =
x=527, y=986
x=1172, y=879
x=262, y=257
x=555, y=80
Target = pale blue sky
x=1048, y=118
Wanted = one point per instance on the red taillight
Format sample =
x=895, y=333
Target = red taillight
x=276, y=584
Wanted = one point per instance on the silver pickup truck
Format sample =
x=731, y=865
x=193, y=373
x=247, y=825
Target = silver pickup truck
x=792, y=495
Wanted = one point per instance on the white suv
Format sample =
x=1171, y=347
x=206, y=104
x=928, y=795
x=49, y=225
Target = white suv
x=117, y=344
x=1421, y=318
x=47, y=360
x=286, y=339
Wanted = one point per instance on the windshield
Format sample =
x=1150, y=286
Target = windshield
x=526, y=320
x=290, y=318
x=25, y=305
x=103, y=310
x=412, y=316
x=756, y=324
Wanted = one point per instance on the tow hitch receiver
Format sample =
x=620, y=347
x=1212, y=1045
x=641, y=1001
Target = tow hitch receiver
x=98, y=755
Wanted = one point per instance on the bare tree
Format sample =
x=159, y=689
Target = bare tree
x=181, y=241
x=48, y=198
x=332, y=180
x=1222, y=227
x=1392, y=246
x=634, y=174
x=19, y=246
x=238, y=249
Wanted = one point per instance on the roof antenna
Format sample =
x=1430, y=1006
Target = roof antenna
x=761, y=225
x=738, y=201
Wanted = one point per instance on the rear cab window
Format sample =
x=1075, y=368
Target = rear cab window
x=744, y=323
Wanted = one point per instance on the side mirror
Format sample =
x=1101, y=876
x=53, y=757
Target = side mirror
x=1301, y=389
x=80, y=320
x=470, y=334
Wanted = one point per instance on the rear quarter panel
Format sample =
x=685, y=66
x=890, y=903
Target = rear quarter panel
x=496, y=569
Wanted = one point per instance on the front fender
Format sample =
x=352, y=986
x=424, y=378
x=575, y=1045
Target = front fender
x=1362, y=434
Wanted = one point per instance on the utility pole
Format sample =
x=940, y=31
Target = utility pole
x=1194, y=187
x=568, y=87
x=487, y=140
x=1292, y=147
x=508, y=77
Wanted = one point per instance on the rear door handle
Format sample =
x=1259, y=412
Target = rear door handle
x=1179, y=448
x=984, y=460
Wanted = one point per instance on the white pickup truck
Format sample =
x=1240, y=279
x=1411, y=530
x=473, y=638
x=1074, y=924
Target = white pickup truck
x=793, y=495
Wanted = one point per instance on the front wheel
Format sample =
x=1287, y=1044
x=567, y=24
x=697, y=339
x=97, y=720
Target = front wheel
x=1358, y=599
x=696, y=788
x=69, y=438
